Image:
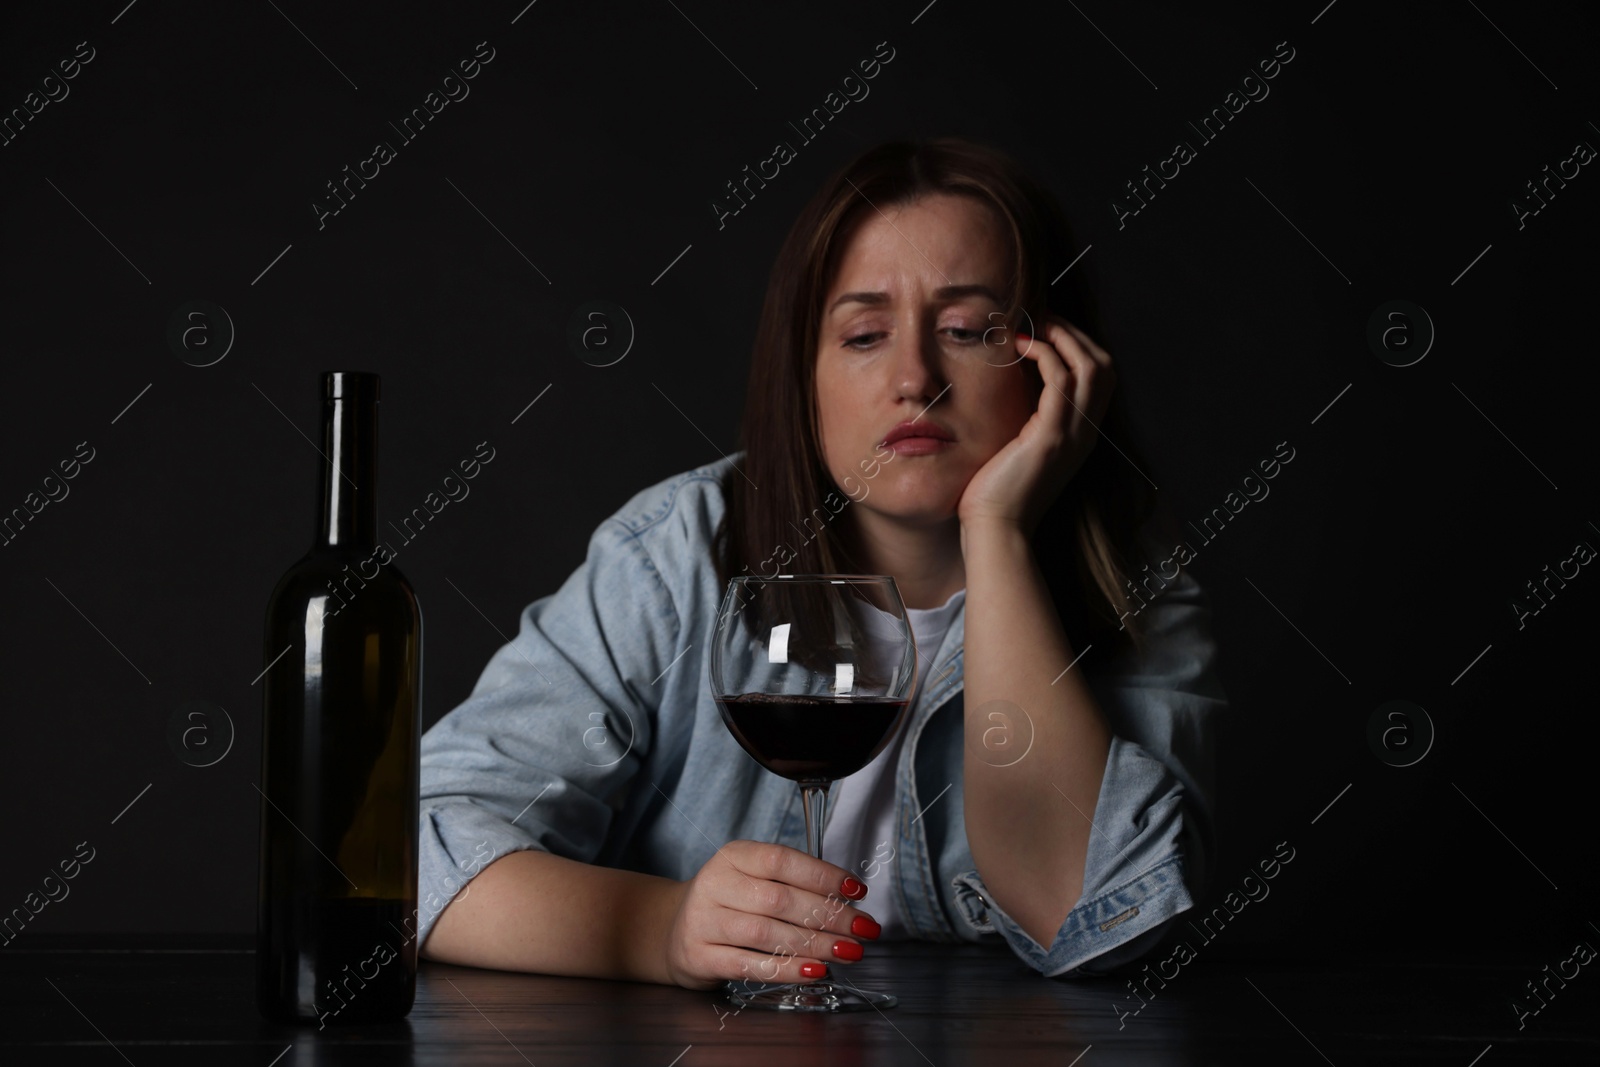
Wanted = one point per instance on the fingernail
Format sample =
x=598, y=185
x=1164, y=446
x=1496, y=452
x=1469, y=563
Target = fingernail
x=814, y=970
x=1024, y=337
x=862, y=926
x=853, y=889
x=847, y=950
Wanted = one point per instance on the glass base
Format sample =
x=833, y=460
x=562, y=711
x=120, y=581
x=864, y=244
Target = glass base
x=820, y=995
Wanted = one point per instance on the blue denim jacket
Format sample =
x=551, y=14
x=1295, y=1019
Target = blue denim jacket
x=593, y=735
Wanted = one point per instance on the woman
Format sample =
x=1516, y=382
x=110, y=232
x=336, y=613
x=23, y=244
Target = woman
x=1052, y=782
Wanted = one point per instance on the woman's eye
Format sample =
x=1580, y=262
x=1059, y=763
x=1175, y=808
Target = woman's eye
x=961, y=336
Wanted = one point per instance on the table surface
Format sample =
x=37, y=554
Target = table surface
x=182, y=1000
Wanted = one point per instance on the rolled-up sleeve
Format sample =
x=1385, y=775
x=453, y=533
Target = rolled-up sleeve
x=541, y=752
x=1153, y=832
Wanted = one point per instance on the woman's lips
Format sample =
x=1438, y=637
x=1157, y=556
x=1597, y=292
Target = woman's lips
x=918, y=446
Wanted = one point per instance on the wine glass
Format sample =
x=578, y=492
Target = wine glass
x=813, y=674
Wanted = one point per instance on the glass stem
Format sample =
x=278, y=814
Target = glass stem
x=814, y=796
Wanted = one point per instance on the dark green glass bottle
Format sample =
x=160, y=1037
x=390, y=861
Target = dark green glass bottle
x=341, y=731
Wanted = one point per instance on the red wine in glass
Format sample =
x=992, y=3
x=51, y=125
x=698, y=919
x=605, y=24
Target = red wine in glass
x=813, y=674
x=812, y=738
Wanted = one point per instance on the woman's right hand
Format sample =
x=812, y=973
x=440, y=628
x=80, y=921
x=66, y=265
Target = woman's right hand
x=764, y=913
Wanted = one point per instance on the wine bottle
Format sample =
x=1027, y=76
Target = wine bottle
x=341, y=733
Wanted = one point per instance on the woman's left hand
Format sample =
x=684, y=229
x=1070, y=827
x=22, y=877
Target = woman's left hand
x=1019, y=483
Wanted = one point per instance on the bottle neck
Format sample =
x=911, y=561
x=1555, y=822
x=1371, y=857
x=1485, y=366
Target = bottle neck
x=348, y=514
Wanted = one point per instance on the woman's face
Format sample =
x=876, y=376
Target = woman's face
x=902, y=339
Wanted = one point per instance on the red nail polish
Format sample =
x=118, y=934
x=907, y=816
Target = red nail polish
x=1024, y=337
x=862, y=926
x=847, y=950
x=853, y=889
x=813, y=970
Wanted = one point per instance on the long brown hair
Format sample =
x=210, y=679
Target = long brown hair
x=1086, y=539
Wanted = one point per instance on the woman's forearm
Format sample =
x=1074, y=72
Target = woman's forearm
x=1028, y=820
x=535, y=911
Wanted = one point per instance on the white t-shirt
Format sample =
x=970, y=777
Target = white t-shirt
x=861, y=833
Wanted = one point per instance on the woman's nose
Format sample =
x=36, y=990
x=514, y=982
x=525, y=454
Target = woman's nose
x=915, y=365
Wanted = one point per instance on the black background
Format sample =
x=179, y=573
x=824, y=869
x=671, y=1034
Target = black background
x=1383, y=163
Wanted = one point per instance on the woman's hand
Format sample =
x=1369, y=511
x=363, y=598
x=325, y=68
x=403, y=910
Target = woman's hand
x=764, y=913
x=1018, y=483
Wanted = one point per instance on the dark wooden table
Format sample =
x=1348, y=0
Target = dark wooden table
x=112, y=1000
